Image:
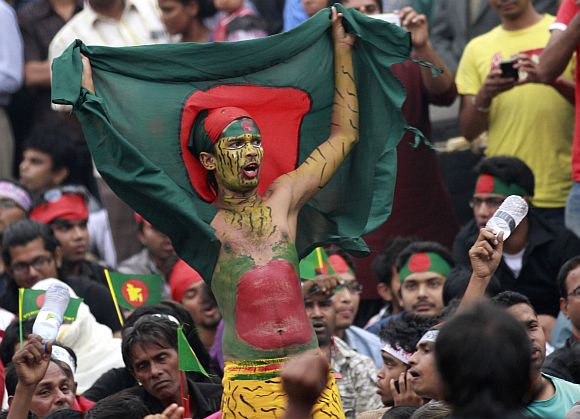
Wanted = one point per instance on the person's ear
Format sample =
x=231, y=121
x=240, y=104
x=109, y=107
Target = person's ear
x=60, y=175
x=207, y=160
x=10, y=400
x=564, y=306
x=384, y=292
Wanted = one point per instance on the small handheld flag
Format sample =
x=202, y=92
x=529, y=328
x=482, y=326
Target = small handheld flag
x=131, y=291
x=188, y=361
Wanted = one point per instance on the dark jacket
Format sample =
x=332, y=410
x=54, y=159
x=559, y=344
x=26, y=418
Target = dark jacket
x=547, y=249
x=559, y=361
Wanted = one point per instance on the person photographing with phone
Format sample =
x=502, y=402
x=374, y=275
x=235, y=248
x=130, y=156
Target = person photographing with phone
x=497, y=79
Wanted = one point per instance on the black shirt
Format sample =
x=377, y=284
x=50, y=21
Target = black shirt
x=558, y=362
x=548, y=248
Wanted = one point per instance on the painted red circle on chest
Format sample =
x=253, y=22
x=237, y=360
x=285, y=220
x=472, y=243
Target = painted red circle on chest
x=269, y=307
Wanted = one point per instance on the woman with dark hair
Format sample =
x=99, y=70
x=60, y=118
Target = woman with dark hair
x=186, y=18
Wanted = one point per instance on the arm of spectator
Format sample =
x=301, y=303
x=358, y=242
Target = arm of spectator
x=435, y=84
x=474, y=113
x=442, y=34
x=37, y=74
x=485, y=255
x=31, y=363
x=325, y=284
x=558, y=52
x=303, y=379
x=11, y=52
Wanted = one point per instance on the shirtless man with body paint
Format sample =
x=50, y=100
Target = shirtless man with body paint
x=256, y=281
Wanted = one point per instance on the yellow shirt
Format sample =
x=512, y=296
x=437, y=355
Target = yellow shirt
x=532, y=122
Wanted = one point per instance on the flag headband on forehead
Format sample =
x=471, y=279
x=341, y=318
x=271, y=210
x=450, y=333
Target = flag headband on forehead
x=64, y=207
x=424, y=262
x=398, y=353
x=431, y=334
x=487, y=183
x=211, y=123
x=9, y=190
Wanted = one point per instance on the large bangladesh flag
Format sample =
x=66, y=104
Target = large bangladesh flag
x=139, y=124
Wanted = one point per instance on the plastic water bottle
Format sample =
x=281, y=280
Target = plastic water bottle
x=508, y=216
x=51, y=314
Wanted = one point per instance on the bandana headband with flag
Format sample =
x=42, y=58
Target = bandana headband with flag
x=398, y=353
x=492, y=184
x=425, y=262
x=431, y=334
x=67, y=207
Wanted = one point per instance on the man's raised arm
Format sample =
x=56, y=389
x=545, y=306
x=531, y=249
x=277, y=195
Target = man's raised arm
x=323, y=162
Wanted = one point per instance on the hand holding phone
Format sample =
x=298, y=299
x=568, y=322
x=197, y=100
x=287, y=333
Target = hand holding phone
x=508, y=71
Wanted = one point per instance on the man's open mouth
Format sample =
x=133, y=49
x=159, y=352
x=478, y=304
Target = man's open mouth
x=250, y=170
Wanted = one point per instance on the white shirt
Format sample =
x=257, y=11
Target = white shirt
x=514, y=262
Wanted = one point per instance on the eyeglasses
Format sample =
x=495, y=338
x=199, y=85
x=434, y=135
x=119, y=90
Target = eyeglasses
x=489, y=202
x=39, y=263
x=7, y=203
x=353, y=287
x=575, y=293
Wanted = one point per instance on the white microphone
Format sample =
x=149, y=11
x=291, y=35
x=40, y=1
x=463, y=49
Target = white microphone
x=51, y=315
x=508, y=216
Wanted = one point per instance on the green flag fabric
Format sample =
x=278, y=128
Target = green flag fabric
x=132, y=291
x=138, y=125
x=32, y=301
x=187, y=358
x=314, y=264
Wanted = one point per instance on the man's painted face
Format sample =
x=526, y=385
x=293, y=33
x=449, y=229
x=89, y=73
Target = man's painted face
x=422, y=293
x=238, y=154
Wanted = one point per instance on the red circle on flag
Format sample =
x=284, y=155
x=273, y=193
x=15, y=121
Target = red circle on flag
x=485, y=184
x=136, y=292
x=40, y=300
x=419, y=262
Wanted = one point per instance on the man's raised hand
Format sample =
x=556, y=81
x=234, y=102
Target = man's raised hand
x=87, y=77
x=485, y=254
x=31, y=362
x=341, y=38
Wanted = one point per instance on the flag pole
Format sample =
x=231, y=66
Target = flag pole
x=319, y=257
x=184, y=399
x=20, y=298
x=114, y=297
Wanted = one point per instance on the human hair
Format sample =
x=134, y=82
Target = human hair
x=65, y=414
x=508, y=169
x=11, y=338
x=433, y=410
x=120, y=405
x=206, y=8
x=148, y=330
x=386, y=259
x=457, y=282
x=11, y=378
x=506, y=299
x=423, y=247
x=405, y=331
x=55, y=141
x=182, y=315
x=379, y=4
x=23, y=232
x=570, y=265
x=399, y=412
x=483, y=356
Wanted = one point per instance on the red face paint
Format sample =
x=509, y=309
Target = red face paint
x=270, y=311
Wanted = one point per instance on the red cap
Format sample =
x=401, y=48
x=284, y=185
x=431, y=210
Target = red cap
x=66, y=207
x=218, y=119
x=181, y=278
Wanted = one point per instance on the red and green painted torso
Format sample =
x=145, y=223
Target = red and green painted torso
x=257, y=287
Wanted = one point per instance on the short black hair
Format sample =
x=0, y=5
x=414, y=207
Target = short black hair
x=508, y=169
x=507, y=299
x=148, y=329
x=206, y=7
x=379, y=3
x=421, y=247
x=386, y=259
x=11, y=338
x=66, y=414
x=457, y=282
x=483, y=356
x=121, y=405
x=570, y=265
x=405, y=331
x=56, y=141
x=23, y=232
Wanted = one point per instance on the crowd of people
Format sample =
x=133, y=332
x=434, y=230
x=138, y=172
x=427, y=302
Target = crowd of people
x=470, y=325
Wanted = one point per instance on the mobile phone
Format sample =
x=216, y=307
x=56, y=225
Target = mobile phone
x=396, y=382
x=389, y=18
x=508, y=71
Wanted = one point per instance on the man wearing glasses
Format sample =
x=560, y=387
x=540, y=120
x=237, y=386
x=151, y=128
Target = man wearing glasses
x=534, y=252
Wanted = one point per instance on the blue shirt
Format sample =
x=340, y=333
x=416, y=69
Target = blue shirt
x=559, y=404
x=365, y=343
